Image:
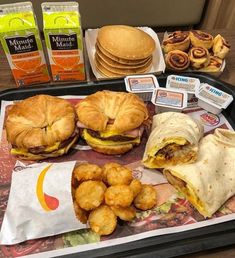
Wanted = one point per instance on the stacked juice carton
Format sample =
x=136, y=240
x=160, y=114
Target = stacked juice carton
x=21, y=42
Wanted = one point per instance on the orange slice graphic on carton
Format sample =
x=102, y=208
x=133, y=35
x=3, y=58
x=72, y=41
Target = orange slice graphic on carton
x=48, y=203
x=28, y=65
x=66, y=62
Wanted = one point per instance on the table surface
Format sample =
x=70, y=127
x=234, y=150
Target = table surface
x=228, y=75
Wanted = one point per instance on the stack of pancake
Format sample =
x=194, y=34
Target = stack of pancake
x=123, y=50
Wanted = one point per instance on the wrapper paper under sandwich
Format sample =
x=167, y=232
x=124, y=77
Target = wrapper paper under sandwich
x=40, y=203
x=210, y=181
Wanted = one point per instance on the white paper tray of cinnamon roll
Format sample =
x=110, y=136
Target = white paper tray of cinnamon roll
x=195, y=51
x=115, y=51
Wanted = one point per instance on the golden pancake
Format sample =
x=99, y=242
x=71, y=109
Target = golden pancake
x=117, y=59
x=126, y=42
x=105, y=72
x=115, y=64
x=123, y=71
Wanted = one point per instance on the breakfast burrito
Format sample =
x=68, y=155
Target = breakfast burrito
x=173, y=140
x=210, y=181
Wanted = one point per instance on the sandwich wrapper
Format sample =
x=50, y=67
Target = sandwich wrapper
x=40, y=203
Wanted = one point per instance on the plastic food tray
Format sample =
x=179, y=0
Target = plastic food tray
x=170, y=245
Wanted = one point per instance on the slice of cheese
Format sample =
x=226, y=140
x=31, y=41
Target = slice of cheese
x=51, y=151
x=190, y=193
x=94, y=140
x=176, y=140
x=109, y=132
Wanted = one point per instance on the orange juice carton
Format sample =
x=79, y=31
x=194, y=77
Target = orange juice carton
x=141, y=85
x=169, y=100
x=212, y=99
x=64, y=40
x=21, y=42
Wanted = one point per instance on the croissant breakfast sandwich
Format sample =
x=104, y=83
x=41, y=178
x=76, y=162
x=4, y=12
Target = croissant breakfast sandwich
x=210, y=181
x=173, y=140
x=40, y=127
x=112, y=122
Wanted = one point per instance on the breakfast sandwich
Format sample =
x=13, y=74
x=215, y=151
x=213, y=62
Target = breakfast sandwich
x=210, y=181
x=40, y=127
x=112, y=122
x=173, y=140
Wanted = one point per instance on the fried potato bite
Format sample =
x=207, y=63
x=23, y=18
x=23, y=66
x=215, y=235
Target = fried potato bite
x=102, y=220
x=119, y=176
x=135, y=186
x=81, y=214
x=90, y=194
x=87, y=171
x=146, y=198
x=127, y=213
x=74, y=181
x=119, y=195
x=107, y=167
x=73, y=190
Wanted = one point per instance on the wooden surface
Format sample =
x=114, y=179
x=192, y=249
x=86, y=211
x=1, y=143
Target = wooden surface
x=7, y=82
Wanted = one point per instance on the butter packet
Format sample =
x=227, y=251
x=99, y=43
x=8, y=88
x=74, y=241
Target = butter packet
x=40, y=203
x=213, y=99
x=141, y=85
x=169, y=100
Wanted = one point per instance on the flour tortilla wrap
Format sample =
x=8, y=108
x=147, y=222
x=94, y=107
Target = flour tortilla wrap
x=210, y=181
x=173, y=140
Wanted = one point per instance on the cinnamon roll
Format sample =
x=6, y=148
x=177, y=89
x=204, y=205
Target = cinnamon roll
x=178, y=40
x=214, y=65
x=177, y=60
x=199, y=57
x=220, y=46
x=201, y=39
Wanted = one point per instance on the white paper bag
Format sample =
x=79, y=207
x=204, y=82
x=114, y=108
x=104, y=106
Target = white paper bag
x=40, y=203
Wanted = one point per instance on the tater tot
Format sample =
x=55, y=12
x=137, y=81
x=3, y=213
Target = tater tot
x=119, y=176
x=73, y=190
x=119, y=195
x=90, y=194
x=81, y=214
x=87, y=171
x=135, y=186
x=102, y=220
x=74, y=181
x=127, y=213
x=146, y=198
x=107, y=167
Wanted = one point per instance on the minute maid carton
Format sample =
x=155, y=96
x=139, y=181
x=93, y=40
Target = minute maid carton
x=21, y=42
x=63, y=35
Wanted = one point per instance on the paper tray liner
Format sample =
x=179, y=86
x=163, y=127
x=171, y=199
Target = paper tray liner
x=133, y=159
